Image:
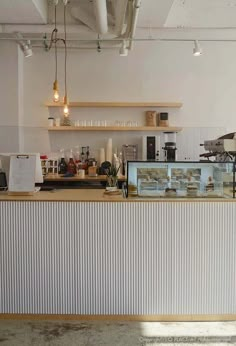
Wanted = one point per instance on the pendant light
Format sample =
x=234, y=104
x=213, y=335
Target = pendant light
x=66, y=121
x=55, y=84
x=55, y=39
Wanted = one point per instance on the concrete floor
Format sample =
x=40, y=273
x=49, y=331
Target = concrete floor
x=71, y=333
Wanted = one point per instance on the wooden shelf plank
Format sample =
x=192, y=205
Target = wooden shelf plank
x=115, y=128
x=119, y=104
x=59, y=177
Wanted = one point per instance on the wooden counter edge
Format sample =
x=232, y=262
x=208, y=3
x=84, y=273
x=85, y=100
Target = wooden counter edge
x=97, y=195
x=131, y=318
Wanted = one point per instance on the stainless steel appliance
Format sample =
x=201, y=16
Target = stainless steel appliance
x=222, y=148
x=170, y=146
x=150, y=148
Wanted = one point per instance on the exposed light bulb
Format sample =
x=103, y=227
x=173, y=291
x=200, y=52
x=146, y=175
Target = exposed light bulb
x=56, y=96
x=55, y=92
x=66, y=109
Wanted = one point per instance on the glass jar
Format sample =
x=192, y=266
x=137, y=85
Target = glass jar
x=112, y=181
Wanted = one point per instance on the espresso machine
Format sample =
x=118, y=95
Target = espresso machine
x=170, y=146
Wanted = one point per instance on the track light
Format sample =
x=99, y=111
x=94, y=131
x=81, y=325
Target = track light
x=27, y=49
x=25, y=46
x=123, y=50
x=197, y=51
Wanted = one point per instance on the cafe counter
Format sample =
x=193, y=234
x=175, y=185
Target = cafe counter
x=83, y=253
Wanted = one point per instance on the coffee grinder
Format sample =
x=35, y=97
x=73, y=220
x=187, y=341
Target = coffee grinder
x=170, y=146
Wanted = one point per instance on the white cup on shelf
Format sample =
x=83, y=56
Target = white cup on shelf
x=57, y=121
x=50, y=121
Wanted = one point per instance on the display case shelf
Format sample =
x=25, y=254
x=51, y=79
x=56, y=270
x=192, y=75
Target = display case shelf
x=115, y=128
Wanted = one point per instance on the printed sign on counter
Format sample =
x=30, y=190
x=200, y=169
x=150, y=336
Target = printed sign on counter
x=22, y=173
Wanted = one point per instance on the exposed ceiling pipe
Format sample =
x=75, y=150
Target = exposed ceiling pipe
x=137, y=4
x=41, y=29
x=129, y=19
x=100, y=10
x=120, y=12
x=84, y=15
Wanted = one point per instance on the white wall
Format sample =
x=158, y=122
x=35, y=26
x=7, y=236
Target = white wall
x=9, y=129
x=157, y=71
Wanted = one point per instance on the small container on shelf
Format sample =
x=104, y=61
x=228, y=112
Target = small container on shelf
x=162, y=120
x=92, y=170
x=132, y=189
x=151, y=118
x=50, y=121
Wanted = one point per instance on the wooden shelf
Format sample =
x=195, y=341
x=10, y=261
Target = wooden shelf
x=115, y=128
x=119, y=104
x=59, y=177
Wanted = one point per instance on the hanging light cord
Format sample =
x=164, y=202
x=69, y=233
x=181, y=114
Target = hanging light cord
x=55, y=41
x=65, y=50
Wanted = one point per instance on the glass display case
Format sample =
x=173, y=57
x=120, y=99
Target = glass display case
x=180, y=179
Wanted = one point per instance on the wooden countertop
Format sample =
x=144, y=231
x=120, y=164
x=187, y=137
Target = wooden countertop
x=59, y=177
x=95, y=195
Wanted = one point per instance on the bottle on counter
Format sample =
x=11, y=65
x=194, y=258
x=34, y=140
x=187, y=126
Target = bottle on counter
x=62, y=167
x=92, y=170
x=71, y=167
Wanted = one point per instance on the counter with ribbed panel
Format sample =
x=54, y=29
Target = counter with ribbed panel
x=88, y=255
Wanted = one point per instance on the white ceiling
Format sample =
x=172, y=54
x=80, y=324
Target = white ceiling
x=202, y=13
x=23, y=11
x=153, y=14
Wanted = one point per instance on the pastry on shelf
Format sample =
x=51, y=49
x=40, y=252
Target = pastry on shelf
x=170, y=192
x=192, y=190
x=210, y=184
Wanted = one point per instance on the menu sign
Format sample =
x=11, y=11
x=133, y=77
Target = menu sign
x=22, y=173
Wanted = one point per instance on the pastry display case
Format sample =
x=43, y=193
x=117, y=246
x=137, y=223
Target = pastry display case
x=181, y=179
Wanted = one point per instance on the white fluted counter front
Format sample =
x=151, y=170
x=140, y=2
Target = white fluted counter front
x=90, y=256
